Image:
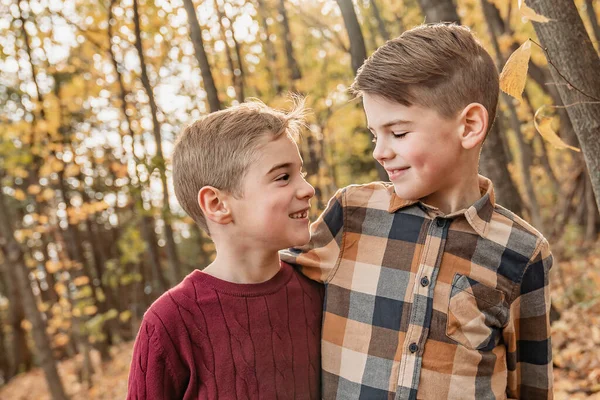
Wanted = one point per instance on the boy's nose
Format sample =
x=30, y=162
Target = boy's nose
x=381, y=151
x=306, y=190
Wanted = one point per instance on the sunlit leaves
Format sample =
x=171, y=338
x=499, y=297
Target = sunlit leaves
x=530, y=14
x=514, y=73
x=543, y=125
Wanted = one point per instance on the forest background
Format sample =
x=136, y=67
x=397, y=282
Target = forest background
x=93, y=94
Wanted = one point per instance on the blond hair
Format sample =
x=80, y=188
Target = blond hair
x=217, y=150
x=437, y=66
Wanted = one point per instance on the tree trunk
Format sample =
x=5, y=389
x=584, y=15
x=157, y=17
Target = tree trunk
x=439, y=11
x=235, y=73
x=292, y=64
x=146, y=222
x=493, y=164
x=271, y=62
x=196, y=35
x=383, y=32
x=358, y=52
x=570, y=50
x=174, y=266
x=13, y=253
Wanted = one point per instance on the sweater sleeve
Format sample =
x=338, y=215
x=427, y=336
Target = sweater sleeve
x=155, y=373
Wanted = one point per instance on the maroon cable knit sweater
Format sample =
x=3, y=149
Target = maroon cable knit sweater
x=211, y=339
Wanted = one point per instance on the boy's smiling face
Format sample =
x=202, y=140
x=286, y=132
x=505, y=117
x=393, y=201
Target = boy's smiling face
x=420, y=150
x=273, y=211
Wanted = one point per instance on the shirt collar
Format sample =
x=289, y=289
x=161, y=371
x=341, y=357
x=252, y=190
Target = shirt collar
x=478, y=215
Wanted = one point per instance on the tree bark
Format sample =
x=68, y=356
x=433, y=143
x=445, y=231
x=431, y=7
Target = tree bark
x=358, y=51
x=292, y=64
x=439, y=11
x=13, y=253
x=570, y=50
x=196, y=36
x=174, y=266
x=493, y=164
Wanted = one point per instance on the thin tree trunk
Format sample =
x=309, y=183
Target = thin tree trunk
x=235, y=78
x=591, y=13
x=196, y=35
x=383, y=32
x=174, y=266
x=358, y=52
x=13, y=253
x=146, y=222
x=570, y=50
x=292, y=64
x=439, y=11
x=271, y=63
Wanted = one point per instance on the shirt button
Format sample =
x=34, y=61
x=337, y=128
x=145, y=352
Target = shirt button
x=440, y=222
x=424, y=281
x=413, y=348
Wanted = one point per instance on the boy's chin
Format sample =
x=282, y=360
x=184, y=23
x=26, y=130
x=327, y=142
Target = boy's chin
x=406, y=193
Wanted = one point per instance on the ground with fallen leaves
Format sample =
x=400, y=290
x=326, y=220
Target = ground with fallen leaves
x=576, y=344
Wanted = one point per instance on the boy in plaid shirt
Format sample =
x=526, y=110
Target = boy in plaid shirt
x=434, y=291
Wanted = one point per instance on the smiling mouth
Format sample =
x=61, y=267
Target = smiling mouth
x=396, y=171
x=300, y=214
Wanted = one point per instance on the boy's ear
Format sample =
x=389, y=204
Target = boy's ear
x=475, y=122
x=214, y=205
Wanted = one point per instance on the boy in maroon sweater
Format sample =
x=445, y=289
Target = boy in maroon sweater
x=247, y=326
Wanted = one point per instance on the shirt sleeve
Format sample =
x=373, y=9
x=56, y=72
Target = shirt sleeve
x=527, y=334
x=318, y=259
x=153, y=372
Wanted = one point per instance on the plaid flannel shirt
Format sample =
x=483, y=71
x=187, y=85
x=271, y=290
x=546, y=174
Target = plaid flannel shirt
x=424, y=305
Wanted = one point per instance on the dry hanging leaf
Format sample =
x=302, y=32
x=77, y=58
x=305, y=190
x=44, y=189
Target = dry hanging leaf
x=530, y=13
x=543, y=126
x=514, y=73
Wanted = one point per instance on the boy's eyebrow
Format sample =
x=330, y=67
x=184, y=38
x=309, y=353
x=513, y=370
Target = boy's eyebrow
x=282, y=166
x=394, y=122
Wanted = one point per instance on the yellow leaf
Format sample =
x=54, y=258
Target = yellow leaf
x=543, y=126
x=72, y=170
x=20, y=195
x=530, y=13
x=34, y=189
x=53, y=266
x=26, y=325
x=90, y=310
x=57, y=165
x=81, y=280
x=514, y=73
x=125, y=316
x=48, y=194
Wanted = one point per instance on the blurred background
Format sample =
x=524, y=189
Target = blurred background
x=93, y=94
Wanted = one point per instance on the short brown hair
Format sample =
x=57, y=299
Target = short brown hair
x=217, y=149
x=438, y=66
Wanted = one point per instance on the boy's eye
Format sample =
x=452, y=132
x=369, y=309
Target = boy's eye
x=400, y=135
x=283, y=177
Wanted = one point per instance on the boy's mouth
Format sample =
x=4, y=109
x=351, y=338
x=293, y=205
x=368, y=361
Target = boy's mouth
x=300, y=214
x=396, y=172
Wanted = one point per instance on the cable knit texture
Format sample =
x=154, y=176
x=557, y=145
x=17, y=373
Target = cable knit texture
x=211, y=339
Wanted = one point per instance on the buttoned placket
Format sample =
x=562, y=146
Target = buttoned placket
x=422, y=309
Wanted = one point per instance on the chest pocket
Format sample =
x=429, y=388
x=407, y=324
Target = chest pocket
x=476, y=314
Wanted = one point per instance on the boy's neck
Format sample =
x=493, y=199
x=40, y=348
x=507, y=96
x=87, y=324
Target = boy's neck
x=249, y=266
x=455, y=197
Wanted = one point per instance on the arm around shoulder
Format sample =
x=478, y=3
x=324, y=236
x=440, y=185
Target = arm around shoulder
x=527, y=335
x=156, y=371
x=318, y=259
